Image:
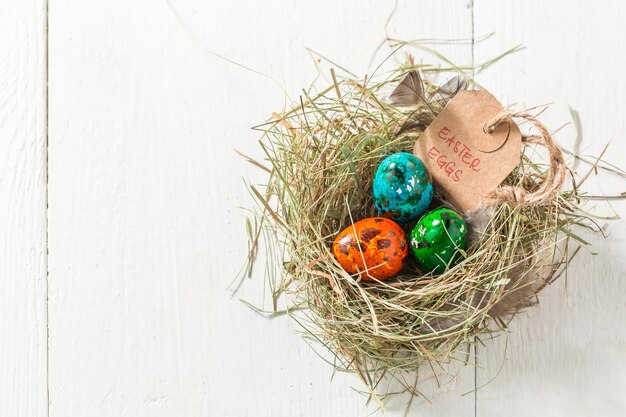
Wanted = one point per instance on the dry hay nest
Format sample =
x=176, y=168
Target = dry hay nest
x=321, y=156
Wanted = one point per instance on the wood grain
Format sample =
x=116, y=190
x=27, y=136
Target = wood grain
x=145, y=233
x=564, y=358
x=23, y=385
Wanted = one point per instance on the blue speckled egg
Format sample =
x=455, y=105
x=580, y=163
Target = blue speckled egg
x=402, y=190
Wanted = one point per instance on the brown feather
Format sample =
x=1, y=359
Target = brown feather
x=524, y=280
x=410, y=92
x=449, y=89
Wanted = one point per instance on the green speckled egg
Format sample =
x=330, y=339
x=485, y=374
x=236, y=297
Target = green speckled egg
x=437, y=238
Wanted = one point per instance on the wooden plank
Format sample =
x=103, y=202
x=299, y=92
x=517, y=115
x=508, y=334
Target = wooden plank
x=565, y=357
x=144, y=233
x=23, y=209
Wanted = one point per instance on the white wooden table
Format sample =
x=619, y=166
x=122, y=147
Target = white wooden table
x=120, y=193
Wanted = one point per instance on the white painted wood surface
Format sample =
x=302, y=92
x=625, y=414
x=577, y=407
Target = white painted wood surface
x=145, y=231
x=23, y=390
x=565, y=358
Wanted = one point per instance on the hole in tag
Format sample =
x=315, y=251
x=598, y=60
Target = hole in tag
x=506, y=138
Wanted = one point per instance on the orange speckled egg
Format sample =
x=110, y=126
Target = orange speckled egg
x=379, y=241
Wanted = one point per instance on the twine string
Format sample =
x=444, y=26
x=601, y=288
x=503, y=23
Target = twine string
x=554, y=179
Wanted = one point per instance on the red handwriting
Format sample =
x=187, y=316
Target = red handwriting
x=460, y=149
x=449, y=167
x=443, y=155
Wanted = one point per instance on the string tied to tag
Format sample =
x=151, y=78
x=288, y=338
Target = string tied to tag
x=552, y=181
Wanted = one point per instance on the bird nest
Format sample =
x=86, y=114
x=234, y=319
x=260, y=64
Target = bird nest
x=321, y=156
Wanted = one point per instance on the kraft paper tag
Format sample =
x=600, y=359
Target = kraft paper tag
x=465, y=162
